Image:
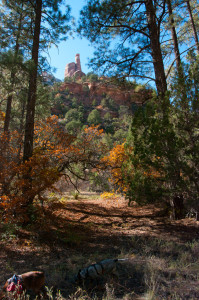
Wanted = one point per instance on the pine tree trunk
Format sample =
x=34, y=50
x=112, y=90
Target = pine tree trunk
x=30, y=114
x=178, y=210
x=12, y=77
x=174, y=38
x=156, y=53
x=8, y=114
x=193, y=25
x=6, y=184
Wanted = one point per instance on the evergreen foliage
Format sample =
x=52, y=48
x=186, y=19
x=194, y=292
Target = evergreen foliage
x=165, y=148
x=153, y=149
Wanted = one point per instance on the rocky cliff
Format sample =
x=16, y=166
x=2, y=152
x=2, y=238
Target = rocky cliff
x=89, y=91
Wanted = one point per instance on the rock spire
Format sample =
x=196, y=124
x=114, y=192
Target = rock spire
x=74, y=68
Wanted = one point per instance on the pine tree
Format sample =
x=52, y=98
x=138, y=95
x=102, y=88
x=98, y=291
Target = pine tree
x=30, y=114
x=56, y=22
x=174, y=38
x=127, y=38
x=13, y=71
x=193, y=25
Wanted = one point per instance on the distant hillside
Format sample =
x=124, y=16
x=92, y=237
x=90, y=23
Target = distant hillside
x=93, y=100
x=87, y=92
x=49, y=79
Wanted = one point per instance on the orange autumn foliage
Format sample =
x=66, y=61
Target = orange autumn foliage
x=121, y=168
x=55, y=151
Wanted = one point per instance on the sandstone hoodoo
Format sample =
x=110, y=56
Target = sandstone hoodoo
x=74, y=68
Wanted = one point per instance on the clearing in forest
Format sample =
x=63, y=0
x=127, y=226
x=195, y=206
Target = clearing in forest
x=68, y=234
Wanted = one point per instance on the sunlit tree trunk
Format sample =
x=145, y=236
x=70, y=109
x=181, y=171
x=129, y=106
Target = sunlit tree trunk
x=193, y=25
x=174, y=37
x=156, y=53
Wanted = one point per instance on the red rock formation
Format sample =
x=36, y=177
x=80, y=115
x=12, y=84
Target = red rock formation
x=78, y=64
x=73, y=87
x=90, y=91
x=122, y=97
x=74, y=69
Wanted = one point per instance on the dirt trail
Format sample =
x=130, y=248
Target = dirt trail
x=72, y=233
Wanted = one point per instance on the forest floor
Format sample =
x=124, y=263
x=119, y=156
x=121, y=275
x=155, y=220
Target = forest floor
x=68, y=234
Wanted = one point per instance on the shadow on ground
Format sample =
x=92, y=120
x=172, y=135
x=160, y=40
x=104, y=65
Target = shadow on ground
x=71, y=235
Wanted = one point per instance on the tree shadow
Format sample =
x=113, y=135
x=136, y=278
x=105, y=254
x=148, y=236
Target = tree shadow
x=78, y=233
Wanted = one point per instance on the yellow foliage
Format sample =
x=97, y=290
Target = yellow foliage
x=115, y=161
x=107, y=195
x=2, y=116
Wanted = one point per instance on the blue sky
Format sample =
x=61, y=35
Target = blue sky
x=66, y=51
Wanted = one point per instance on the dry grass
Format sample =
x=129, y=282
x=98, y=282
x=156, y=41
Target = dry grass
x=72, y=233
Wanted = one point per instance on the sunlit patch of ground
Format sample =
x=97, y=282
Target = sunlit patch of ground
x=71, y=233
